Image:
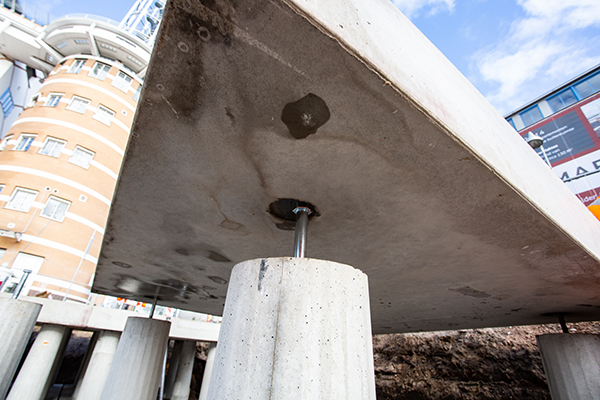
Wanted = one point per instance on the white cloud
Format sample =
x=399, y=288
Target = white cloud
x=543, y=49
x=411, y=8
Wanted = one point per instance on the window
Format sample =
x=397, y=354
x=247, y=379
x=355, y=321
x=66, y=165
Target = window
x=99, y=71
x=6, y=101
x=122, y=81
x=24, y=142
x=562, y=100
x=5, y=142
x=81, y=41
x=33, y=101
x=78, y=104
x=2, y=251
x=103, y=114
x=55, y=208
x=21, y=199
x=136, y=95
x=531, y=115
x=106, y=46
x=23, y=261
x=61, y=45
x=52, y=147
x=588, y=86
x=512, y=123
x=76, y=66
x=53, y=99
x=81, y=157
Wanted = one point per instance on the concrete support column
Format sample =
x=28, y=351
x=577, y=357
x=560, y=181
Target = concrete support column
x=42, y=362
x=135, y=373
x=210, y=361
x=18, y=320
x=295, y=328
x=173, y=368
x=572, y=365
x=181, y=388
x=96, y=372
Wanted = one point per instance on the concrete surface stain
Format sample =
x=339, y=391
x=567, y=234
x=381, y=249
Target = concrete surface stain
x=218, y=280
x=261, y=273
x=469, y=291
x=303, y=117
x=246, y=37
x=218, y=257
x=231, y=225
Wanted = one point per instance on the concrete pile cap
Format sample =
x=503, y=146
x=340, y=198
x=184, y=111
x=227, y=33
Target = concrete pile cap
x=418, y=181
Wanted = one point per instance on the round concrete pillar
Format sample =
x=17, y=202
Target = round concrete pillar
x=40, y=366
x=295, y=328
x=96, y=373
x=18, y=321
x=135, y=373
x=572, y=365
x=210, y=362
x=173, y=368
x=181, y=388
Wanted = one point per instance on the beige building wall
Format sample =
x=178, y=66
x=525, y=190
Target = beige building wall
x=80, y=122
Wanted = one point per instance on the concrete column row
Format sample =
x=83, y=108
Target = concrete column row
x=130, y=365
x=127, y=365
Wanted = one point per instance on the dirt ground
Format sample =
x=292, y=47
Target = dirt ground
x=480, y=364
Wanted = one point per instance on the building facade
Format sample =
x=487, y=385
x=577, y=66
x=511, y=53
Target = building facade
x=60, y=158
x=568, y=120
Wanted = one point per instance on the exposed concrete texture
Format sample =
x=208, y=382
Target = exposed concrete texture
x=135, y=373
x=295, y=328
x=18, y=321
x=208, y=368
x=173, y=368
x=419, y=182
x=181, y=388
x=572, y=365
x=41, y=364
x=99, y=318
x=98, y=367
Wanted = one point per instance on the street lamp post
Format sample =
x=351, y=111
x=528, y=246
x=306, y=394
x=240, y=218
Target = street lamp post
x=535, y=142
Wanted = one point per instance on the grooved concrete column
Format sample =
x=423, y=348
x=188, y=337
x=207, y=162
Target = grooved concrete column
x=96, y=373
x=295, y=328
x=135, y=373
x=210, y=361
x=18, y=320
x=572, y=365
x=181, y=388
x=40, y=366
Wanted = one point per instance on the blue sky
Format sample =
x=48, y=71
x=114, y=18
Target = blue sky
x=512, y=50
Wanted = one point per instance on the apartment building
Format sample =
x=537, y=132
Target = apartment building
x=61, y=156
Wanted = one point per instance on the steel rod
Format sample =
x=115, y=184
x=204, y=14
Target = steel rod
x=563, y=323
x=545, y=156
x=301, y=231
x=19, y=287
x=154, y=302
